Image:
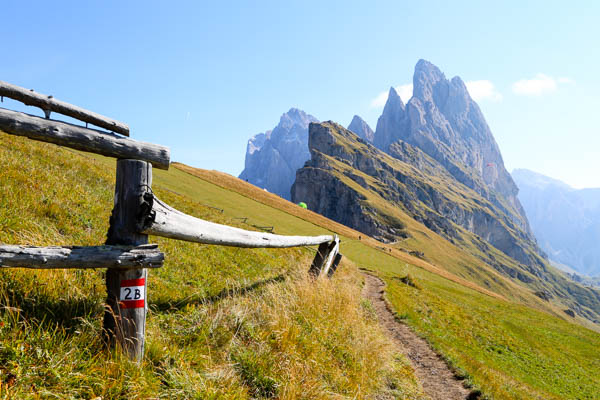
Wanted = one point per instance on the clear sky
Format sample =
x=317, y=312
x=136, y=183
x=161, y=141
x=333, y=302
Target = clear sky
x=202, y=77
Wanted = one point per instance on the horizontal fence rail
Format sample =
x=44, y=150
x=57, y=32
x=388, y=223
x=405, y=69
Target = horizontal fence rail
x=49, y=104
x=122, y=257
x=80, y=138
x=161, y=219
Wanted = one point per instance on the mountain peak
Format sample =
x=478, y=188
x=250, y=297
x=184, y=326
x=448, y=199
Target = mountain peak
x=273, y=157
x=394, y=102
x=458, y=82
x=293, y=111
x=391, y=122
x=427, y=72
x=296, y=116
x=442, y=120
x=429, y=83
x=361, y=128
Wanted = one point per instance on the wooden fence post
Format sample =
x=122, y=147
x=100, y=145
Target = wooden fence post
x=334, y=248
x=321, y=256
x=336, y=262
x=125, y=314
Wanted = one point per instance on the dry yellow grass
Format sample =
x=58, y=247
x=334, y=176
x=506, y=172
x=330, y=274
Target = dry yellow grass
x=211, y=338
x=353, y=353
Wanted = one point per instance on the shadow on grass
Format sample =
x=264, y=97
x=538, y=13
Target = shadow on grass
x=41, y=309
x=26, y=298
x=224, y=293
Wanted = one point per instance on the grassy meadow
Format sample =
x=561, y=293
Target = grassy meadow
x=228, y=323
x=223, y=323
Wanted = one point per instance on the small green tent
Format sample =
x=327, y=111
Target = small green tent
x=303, y=205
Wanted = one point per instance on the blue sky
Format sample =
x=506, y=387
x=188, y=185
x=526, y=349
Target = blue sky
x=202, y=77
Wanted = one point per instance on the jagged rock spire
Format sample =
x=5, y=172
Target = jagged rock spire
x=361, y=128
x=392, y=123
x=443, y=121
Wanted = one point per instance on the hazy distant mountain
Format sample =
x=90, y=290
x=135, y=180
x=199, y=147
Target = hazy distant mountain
x=361, y=128
x=566, y=221
x=273, y=157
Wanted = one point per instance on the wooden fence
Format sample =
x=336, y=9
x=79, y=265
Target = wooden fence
x=137, y=213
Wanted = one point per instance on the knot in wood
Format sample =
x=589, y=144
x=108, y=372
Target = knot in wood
x=146, y=215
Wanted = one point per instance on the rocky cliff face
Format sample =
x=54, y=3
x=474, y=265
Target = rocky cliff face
x=565, y=221
x=443, y=121
x=406, y=178
x=361, y=128
x=273, y=157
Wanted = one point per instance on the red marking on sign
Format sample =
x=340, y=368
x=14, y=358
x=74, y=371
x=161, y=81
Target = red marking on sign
x=132, y=304
x=133, y=293
x=133, y=282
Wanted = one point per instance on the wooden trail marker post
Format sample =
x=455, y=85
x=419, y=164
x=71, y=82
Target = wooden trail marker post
x=125, y=314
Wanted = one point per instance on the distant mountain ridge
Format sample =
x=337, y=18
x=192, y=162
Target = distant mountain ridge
x=443, y=133
x=440, y=120
x=566, y=221
x=273, y=157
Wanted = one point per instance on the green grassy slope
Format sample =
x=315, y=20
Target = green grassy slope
x=517, y=348
x=223, y=322
x=210, y=338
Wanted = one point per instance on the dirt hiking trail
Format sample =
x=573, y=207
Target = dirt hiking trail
x=437, y=379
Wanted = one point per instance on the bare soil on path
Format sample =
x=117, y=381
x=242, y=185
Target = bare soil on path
x=438, y=381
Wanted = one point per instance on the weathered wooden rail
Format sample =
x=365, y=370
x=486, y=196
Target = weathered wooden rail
x=160, y=219
x=137, y=213
x=49, y=104
x=80, y=138
x=145, y=256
